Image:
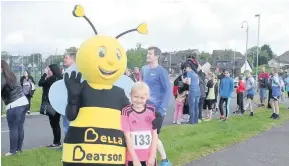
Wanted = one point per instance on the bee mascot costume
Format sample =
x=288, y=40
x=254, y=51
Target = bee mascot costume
x=94, y=106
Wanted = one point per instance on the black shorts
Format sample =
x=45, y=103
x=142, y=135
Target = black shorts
x=159, y=130
x=143, y=163
x=250, y=97
x=208, y=104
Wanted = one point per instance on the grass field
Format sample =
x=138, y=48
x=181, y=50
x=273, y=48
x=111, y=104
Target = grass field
x=36, y=100
x=183, y=143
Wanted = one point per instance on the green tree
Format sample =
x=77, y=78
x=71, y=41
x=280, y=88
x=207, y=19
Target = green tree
x=205, y=56
x=71, y=49
x=267, y=48
x=263, y=56
x=136, y=57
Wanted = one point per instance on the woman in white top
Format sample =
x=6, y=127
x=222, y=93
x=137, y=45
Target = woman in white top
x=28, y=86
x=16, y=105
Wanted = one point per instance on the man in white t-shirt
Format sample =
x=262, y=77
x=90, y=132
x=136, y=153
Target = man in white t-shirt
x=69, y=60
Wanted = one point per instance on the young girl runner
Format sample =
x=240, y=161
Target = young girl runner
x=140, y=137
x=210, y=96
x=276, y=93
x=250, y=91
x=240, y=95
x=215, y=101
x=180, y=100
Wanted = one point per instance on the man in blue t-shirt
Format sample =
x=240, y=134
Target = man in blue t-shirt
x=157, y=79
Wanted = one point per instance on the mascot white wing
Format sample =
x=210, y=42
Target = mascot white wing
x=126, y=84
x=58, y=92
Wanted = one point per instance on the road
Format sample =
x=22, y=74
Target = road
x=267, y=149
x=38, y=132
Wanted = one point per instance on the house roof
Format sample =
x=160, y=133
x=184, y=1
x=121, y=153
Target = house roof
x=284, y=58
x=187, y=52
x=202, y=62
x=177, y=56
x=229, y=64
x=226, y=55
x=225, y=59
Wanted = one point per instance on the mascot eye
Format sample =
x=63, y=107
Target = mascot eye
x=118, y=54
x=101, y=52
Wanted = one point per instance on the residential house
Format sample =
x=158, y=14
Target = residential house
x=172, y=60
x=229, y=60
x=281, y=61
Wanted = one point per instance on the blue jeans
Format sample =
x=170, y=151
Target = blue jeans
x=65, y=124
x=194, y=109
x=15, y=119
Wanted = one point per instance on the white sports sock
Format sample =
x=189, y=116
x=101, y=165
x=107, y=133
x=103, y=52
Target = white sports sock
x=161, y=150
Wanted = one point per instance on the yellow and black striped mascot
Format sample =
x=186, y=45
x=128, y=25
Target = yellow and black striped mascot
x=94, y=137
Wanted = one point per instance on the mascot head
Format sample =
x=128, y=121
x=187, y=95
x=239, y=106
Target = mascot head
x=102, y=59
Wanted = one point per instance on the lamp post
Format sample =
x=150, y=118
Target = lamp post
x=258, y=15
x=234, y=64
x=247, y=34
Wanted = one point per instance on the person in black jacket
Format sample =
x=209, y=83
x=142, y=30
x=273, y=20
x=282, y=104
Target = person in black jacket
x=202, y=84
x=26, y=82
x=51, y=75
x=16, y=105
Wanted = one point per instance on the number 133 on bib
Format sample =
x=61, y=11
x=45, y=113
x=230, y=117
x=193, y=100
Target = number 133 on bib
x=141, y=139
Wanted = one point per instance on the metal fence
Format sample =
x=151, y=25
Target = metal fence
x=36, y=66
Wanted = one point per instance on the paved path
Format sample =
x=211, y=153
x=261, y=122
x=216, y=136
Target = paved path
x=267, y=149
x=38, y=132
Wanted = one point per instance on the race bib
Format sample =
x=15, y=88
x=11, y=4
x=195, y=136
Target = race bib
x=141, y=139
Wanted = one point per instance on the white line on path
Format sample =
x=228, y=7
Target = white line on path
x=5, y=131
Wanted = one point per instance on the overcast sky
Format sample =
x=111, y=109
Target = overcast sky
x=206, y=25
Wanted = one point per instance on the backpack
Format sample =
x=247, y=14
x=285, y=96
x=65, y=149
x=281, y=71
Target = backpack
x=269, y=84
x=263, y=82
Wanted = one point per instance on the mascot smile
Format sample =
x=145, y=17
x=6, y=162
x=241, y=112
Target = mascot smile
x=94, y=106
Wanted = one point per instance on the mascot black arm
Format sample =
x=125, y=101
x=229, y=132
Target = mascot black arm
x=71, y=111
x=74, y=87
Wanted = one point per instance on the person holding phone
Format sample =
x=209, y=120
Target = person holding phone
x=52, y=73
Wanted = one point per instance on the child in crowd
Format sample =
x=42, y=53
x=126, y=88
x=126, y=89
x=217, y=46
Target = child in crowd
x=282, y=90
x=141, y=139
x=240, y=95
x=226, y=90
x=210, y=96
x=276, y=93
x=180, y=100
x=215, y=108
x=180, y=87
x=286, y=82
x=250, y=83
